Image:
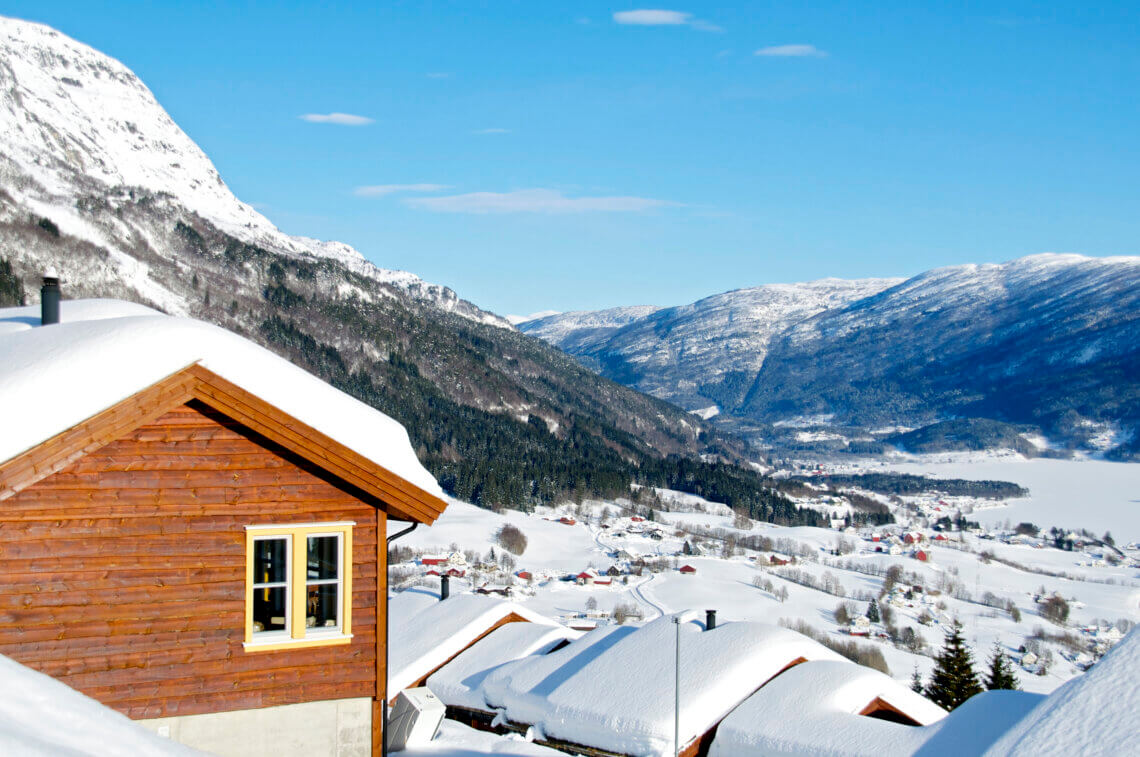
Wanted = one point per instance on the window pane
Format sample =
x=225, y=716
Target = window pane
x=324, y=560
x=269, y=561
x=323, y=609
x=269, y=609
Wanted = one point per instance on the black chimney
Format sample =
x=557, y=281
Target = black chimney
x=444, y=587
x=710, y=620
x=49, y=299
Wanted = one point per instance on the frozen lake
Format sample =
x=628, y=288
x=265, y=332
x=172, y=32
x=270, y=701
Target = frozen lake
x=1092, y=494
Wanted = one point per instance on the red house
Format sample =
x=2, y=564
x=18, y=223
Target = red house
x=939, y=537
x=921, y=555
x=433, y=560
x=524, y=575
x=688, y=569
x=912, y=537
x=637, y=519
x=567, y=521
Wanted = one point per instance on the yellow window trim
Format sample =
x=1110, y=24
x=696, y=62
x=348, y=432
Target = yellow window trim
x=297, y=596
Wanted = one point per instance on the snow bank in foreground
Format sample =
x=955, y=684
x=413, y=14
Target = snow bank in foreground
x=115, y=358
x=1099, y=711
x=39, y=716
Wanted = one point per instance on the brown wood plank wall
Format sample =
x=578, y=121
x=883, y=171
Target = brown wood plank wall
x=123, y=574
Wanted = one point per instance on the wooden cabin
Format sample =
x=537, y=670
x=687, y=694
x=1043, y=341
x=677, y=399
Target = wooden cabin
x=201, y=549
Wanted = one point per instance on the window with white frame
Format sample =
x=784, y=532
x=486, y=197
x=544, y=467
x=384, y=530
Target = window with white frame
x=299, y=585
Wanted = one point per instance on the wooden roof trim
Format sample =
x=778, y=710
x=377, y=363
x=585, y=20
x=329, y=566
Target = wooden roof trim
x=408, y=500
x=56, y=453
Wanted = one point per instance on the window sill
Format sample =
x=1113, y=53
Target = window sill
x=320, y=641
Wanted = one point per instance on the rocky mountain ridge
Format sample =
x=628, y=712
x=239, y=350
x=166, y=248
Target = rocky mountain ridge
x=1048, y=345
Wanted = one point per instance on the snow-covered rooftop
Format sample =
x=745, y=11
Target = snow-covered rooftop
x=425, y=632
x=813, y=709
x=459, y=682
x=613, y=688
x=104, y=351
x=41, y=717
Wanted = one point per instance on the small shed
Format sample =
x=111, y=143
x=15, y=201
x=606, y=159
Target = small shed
x=688, y=570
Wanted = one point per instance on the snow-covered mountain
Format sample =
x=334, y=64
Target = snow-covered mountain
x=83, y=143
x=98, y=183
x=695, y=355
x=1048, y=341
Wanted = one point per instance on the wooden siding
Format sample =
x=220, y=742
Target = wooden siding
x=123, y=574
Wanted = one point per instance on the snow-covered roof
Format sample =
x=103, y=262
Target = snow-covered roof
x=41, y=717
x=104, y=351
x=1097, y=710
x=459, y=682
x=613, y=688
x=813, y=709
x=425, y=632
x=975, y=725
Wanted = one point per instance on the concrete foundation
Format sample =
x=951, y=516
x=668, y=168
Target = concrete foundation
x=336, y=728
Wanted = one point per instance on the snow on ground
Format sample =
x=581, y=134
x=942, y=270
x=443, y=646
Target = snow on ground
x=41, y=717
x=457, y=740
x=956, y=579
x=1093, y=494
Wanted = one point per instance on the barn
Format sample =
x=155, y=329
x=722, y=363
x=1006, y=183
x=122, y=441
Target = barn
x=196, y=537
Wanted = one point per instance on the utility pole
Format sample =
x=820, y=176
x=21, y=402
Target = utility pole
x=677, y=687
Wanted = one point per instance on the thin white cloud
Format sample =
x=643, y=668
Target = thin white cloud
x=792, y=51
x=651, y=17
x=659, y=17
x=380, y=190
x=492, y=131
x=547, y=201
x=341, y=119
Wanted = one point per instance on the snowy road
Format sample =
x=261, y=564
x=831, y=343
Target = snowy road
x=639, y=594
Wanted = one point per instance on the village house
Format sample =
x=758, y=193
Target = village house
x=197, y=538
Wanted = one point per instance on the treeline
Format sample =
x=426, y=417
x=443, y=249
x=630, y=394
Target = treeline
x=495, y=460
x=905, y=483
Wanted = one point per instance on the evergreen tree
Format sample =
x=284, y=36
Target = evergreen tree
x=916, y=681
x=1001, y=672
x=954, y=680
x=873, y=611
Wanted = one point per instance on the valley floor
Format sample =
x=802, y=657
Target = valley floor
x=958, y=581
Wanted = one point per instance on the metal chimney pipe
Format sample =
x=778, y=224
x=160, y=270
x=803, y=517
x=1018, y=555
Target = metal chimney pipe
x=444, y=587
x=49, y=299
x=710, y=620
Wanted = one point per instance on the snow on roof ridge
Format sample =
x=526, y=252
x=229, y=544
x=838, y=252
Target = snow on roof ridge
x=119, y=356
x=581, y=693
x=428, y=636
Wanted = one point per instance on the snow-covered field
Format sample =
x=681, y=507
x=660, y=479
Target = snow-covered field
x=1093, y=494
x=744, y=586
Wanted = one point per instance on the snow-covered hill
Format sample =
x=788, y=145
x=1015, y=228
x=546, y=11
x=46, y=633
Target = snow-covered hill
x=81, y=136
x=1049, y=343
x=695, y=353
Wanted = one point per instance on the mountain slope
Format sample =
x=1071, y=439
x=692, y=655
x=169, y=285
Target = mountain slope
x=1052, y=340
x=81, y=134
x=1048, y=343
x=698, y=354
x=97, y=182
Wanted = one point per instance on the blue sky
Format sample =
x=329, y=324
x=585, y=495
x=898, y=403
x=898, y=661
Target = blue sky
x=584, y=155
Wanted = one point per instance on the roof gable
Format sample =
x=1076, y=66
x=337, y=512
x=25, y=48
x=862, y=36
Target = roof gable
x=404, y=499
